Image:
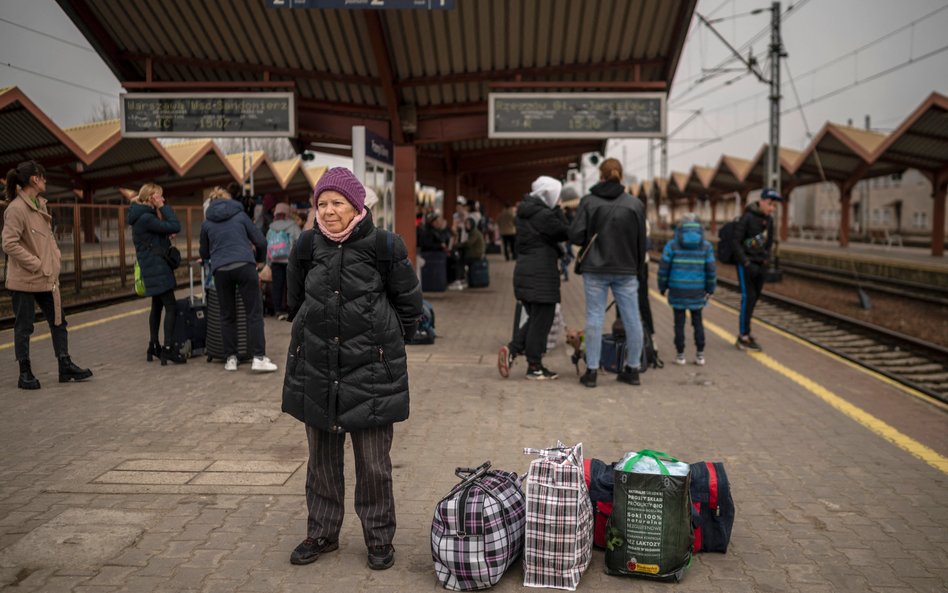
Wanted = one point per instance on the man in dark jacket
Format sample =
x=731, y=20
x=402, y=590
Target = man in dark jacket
x=353, y=297
x=234, y=246
x=752, y=239
x=541, y=225
x=610, y=229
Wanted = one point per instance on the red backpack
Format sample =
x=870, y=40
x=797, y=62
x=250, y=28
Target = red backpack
x=602, y=510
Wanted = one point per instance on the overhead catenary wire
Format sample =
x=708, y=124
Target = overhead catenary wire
x=60, y=80
x=49, y=36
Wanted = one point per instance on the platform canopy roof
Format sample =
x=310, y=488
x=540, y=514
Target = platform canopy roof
x=414, y=76
x=28, y=134
x=842, y=154
x=677, y=182
x=921, y=142
x=729, y=175
x=756, y=176
x=113, y=160
x=698, y=181
x=202, y=165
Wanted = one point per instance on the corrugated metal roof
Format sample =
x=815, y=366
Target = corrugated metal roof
x=92, y=136
x=843, y=154
x=922, y=139
x=28, y=134
x=185, y=155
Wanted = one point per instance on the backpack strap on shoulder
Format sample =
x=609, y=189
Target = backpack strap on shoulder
x=304, y=249
x=384, y=253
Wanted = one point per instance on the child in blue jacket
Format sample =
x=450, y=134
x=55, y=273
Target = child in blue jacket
x=687, y=272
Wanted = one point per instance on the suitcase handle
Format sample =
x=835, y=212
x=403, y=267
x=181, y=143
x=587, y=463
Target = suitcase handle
x=191, y=265
x=469, y=474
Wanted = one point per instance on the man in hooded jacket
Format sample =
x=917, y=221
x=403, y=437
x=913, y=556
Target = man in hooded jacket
x=541, y=225
x=610, y=229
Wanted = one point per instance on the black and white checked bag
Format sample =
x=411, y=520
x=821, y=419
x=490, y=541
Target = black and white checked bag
x=477, y=529
x=559, y=531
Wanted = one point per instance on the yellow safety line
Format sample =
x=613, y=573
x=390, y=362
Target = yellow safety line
x=874, y=374
x=886, y=431
x=84, y=325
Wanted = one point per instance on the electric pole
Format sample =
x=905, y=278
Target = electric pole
x=776, y=53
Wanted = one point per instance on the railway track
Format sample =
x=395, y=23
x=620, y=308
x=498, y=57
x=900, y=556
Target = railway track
x=912, y=362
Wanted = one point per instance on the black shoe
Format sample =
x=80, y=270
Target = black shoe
x=154, y=349
x=748, y=343
x=27, y=380
x=68, y=371
x=310, y=549
x=629, y=375
x=540, y=373
x=381, y=557
x=172, y=353
x=589, y=379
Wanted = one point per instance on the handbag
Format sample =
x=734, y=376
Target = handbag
x=139, y=281
x=172, y=256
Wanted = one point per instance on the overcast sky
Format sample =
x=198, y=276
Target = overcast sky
x=820, y=37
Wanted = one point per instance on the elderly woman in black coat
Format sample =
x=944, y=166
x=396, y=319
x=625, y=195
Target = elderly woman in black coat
x=353, y=297
x=541, y=226
x=153, y=223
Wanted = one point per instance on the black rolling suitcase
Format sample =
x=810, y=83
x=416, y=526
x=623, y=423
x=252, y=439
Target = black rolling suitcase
x=434, y=274
x=214, y=342
x=190, y=325
x=478, y=274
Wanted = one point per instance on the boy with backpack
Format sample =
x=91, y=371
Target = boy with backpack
x=281, y=236
x=688, y=274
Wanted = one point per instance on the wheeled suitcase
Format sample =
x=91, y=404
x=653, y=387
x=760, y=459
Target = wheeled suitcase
x=214, y=342
x=434, y=274
x=190, y=325
x=613, y=353
x=478, y=274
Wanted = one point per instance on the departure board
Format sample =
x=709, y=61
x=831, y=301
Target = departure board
x=577, y=115
x=203, y=115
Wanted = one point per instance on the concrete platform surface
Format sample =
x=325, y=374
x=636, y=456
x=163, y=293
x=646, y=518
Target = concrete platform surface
x=187, y=478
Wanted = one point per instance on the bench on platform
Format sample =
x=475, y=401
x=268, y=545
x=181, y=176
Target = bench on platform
x=883, y=237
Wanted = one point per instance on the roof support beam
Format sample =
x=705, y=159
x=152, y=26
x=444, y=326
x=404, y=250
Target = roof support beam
x=215, y=85
x=339, y=107
x=99, y=38
x=451, y=129
x=373, y=22
x=497, y=75
x=336, y=127
x=521, y=155
x=659, y=85
x=247, y=67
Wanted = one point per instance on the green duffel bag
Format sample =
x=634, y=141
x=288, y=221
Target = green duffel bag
x=650, y=534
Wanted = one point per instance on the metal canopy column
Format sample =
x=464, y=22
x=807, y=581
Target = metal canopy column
x=939, y=189
x=405, y=174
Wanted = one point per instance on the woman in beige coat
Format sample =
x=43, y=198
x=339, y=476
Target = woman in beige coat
x=33, y=263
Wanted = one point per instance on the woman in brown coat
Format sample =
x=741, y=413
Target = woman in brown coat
x=33, y=271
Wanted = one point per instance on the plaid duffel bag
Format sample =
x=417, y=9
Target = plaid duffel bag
x=559, y=534
x=477, y=529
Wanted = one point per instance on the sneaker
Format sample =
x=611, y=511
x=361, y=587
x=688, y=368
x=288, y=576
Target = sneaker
x=747, y=343
x=505, y=360
x=680, y=359
x=541, y=373
x=699, y=359
x=381, y=557
x=262, y=364
x=589, y=379
x=629, y=375
x=456, y=285
x=310, y=549
x=231, y=364
x=283, y=317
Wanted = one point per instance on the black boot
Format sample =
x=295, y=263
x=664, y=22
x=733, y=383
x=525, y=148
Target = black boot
x=589, y=379
x=154, y=349
x=68, y=371
x=27, y=380
x=172, y=353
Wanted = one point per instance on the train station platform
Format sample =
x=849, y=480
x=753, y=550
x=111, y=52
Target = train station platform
x=188, y=478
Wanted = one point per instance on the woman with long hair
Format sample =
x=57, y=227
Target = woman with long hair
x=32, y=274
x=153, y=223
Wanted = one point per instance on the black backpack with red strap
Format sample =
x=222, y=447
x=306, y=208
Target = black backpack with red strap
x=713, y=517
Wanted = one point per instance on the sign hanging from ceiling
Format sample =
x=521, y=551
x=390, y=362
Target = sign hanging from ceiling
x=203, y=115
x=365, y=4
x=577, y=115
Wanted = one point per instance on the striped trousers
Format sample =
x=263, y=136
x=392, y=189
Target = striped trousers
x=325, y=484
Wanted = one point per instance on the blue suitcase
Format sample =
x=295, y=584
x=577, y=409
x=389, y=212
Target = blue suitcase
x=190, y=324
x=478, y=274
x=613, y=353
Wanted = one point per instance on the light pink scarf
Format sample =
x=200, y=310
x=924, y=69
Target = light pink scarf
x=344, y=234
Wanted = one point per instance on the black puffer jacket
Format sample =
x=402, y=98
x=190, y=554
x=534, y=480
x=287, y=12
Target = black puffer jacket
x=151, y=236
x=346, y=369
x=539, y=229
x=753, y=236
x=620, y=221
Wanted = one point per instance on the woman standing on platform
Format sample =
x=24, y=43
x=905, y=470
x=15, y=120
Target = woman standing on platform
x=353, y=297
x=32, y=272
x=153, y=223
x=541, y=226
